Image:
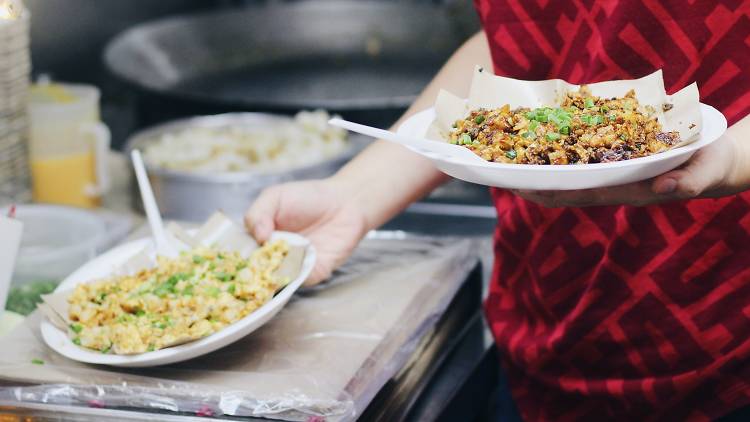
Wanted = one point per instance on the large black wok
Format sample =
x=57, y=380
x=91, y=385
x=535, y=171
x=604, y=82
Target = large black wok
x=363, y=59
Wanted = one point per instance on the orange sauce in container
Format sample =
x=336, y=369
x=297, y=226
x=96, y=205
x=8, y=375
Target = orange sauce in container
x=63, y=180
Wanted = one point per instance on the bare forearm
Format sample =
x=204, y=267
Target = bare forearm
x=385, y=178
x=739, y=176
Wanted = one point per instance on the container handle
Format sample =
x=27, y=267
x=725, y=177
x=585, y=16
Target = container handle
x=102, y=138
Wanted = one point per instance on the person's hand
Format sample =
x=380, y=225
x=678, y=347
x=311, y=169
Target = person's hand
x=712, y=172
x=316, y=209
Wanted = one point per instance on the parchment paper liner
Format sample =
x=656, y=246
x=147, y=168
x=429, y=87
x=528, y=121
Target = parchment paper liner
x=489, y=91
x=218, y=231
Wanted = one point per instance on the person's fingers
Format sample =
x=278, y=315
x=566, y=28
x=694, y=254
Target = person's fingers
x=543, y=198
x=318, y=274
x=631, y=194
x=709, y=173
x=260, y=218
x=690, y=181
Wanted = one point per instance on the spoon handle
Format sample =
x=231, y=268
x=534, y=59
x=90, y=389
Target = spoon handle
x=441, y=148
x=163, y=246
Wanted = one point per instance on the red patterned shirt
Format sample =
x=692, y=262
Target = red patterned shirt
x=622, y=312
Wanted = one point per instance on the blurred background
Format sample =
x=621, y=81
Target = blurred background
x=225, y=98
x=69, y=39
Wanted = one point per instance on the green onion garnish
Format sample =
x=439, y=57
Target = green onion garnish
x=222, y=276
x=511, y=154
x=479, y=119
x=533, y=125
x=552, y=136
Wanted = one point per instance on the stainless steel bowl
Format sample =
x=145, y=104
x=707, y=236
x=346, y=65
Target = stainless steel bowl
x=189, y=196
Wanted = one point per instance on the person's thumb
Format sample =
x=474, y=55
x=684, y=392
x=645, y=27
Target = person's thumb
x=260, y=218
x=689, y=181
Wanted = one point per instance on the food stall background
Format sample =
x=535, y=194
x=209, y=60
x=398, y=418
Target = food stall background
x=69, y=38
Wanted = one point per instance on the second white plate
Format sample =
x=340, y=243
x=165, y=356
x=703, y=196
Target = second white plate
x=103, y=265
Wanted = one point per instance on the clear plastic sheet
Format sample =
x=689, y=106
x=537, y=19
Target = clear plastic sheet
x=324, y=356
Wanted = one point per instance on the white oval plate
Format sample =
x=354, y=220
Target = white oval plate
x=565, y=177
x=102, y=266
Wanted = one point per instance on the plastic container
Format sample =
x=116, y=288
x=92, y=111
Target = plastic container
x=68, y=145
x=56, y=241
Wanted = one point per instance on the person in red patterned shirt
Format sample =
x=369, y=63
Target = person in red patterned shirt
x=625, y=303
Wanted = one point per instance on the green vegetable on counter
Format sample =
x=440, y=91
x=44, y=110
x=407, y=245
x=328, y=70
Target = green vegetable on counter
x=23, y=299
x=37, y=361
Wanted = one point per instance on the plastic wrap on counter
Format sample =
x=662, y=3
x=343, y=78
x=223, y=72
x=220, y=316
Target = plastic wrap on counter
x=324, y=357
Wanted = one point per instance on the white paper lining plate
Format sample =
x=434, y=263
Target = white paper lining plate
x=102, y=266
x=564, y=177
